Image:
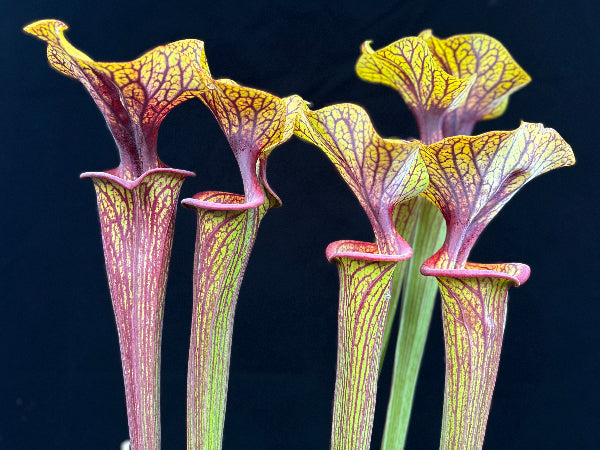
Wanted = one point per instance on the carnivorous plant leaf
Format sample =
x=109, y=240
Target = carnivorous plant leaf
x=137, y=200
x=497, y=76
x=471, y=179
x=408, y=66
x=255, y=122
x=382, y=173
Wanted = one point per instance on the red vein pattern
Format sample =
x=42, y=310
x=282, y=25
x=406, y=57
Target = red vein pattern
x=471, y=178
x=134, y=97
x=382, y=174
x=497, y=76
x=137, y=200
x=408, y=66
x=474, y=314
x=136, y=221
x=255, y=122
x=426, y=71
x=364, y=301
x=224, y=242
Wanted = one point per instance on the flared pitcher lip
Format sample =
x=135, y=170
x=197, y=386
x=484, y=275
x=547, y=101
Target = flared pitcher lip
x=195, y=203
x=237, y=202
x=131, y=184
x=360, y=250
x=479, y=270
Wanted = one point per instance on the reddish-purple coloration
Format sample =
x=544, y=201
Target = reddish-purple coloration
x=136, y=222
x=137, y=200
x=471, y=179
x=365, y=277
x=474, y=301
x=254, y=122
x=382, y=173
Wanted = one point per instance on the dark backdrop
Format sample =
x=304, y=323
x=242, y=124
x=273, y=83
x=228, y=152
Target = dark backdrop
x=60, y=379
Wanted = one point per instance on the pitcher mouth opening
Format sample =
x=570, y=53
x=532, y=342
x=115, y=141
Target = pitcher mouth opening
x=517, y=273
x=131, y=184
x=362, y=250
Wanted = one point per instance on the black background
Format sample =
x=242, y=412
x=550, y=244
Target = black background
x=60, y=376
